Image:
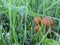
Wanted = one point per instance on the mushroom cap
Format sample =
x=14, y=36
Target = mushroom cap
x=47, y=21
x=37, y=20
x=36, y=28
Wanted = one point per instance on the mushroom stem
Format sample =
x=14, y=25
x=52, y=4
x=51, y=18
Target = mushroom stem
x=46, y=29
x=50, y=35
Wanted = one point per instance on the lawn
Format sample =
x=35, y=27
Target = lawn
x=29, y=22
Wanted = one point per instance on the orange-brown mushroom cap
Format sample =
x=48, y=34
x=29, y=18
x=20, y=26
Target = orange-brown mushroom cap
x=37, y=20
x=36, y=28
x=47, y=21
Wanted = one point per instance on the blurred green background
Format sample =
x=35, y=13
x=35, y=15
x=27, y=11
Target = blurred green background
x=17, y=27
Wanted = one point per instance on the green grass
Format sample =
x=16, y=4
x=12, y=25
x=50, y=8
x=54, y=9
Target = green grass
x=18, y=15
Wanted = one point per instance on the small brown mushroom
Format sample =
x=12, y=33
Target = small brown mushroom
x=47, y=21
x=37, y=20
x=36, y=28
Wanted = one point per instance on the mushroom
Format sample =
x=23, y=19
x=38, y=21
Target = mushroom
x=48, y=22
x=37, y=20
x=36, y=28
